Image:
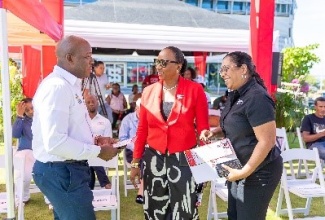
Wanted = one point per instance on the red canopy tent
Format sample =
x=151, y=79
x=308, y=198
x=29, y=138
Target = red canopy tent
x=40, y=25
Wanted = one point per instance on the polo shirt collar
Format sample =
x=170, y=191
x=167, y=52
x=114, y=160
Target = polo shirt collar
x=242, y=90
x=66, y=75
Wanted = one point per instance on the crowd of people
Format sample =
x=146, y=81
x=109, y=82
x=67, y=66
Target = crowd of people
x=62, y=127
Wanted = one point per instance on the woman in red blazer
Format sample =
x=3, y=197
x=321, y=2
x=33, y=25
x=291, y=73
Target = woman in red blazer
x=173, y=113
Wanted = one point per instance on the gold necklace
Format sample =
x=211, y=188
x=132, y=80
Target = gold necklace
x=169, y=89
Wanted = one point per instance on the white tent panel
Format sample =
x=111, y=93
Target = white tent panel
x=156, y=37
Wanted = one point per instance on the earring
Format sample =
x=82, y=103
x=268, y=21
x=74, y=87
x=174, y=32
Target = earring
x=244, y=76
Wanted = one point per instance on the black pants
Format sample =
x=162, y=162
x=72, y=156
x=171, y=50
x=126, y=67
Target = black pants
x=169, y=188
x=101, y=176
x=249, y=199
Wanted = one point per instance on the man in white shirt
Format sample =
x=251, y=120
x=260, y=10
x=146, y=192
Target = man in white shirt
x=100, y=126
x=62, y=137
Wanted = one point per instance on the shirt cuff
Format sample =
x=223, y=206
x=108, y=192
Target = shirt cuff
x=93, y=150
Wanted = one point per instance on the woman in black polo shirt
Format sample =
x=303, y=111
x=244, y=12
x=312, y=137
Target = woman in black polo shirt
x=248, y=121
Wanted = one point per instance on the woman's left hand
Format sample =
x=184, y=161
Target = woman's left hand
x=234, y=174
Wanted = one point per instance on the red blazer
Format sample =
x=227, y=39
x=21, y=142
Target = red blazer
x=188, y=117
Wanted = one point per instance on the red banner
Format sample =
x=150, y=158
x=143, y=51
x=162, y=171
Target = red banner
x=31, y=67
x=261, y=29
x=200, y=62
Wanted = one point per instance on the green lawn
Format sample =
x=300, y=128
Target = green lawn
x=37, y=210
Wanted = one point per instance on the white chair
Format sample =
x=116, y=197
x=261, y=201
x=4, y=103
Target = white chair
x=19, y=172
x=126, y=181
x=218, y=188
x=304, y=188
x=108, y=199
x=282, y=139
x=302, y=162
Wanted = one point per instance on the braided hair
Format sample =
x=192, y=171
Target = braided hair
x=179, y=57
x=240, y=58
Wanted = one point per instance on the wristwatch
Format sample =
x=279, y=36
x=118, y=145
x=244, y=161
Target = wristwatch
x=135, y=165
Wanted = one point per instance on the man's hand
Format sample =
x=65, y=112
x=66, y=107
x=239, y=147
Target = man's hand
x=99, y=140
x=107, y=152
x=21, y=107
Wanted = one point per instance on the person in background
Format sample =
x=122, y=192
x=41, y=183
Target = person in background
x=172, y=113
x=62, y=137
x=118, y=104
x=189, y=74
x=21, y=129
x=207, y=95
x=128, y=130
x=100, y=126
x=101, y=77
x=248, y=121
x=151, y=78
x=133, y=98
x=219, y=103
x=313, y=128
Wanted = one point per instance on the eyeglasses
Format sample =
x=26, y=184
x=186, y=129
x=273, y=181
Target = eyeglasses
x=163, y=63
x=224, y=69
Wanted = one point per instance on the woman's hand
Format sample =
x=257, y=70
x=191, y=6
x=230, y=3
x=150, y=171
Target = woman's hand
x=134, y=175
x=205, y=135
x=234, y=174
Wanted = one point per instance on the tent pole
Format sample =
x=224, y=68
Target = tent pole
x=7, y=133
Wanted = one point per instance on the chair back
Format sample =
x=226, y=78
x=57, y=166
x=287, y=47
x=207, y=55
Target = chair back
x=19, y=173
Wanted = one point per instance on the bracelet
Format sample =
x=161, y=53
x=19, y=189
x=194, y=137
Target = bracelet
x=20, y=116
x=135, y=165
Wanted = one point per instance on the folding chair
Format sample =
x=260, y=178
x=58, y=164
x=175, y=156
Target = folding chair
x=218, y=188
x=302, y=162
x=19, y=172
x=126, y=181
x=304, y=188
x=108, y=199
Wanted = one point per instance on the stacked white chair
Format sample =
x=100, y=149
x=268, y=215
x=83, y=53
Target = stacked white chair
x=305, y=188
x=19, y=172
x=108, y=199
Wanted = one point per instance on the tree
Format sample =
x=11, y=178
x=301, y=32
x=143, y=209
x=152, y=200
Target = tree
x=297, y=62
x=16, y=94
x=291, y=103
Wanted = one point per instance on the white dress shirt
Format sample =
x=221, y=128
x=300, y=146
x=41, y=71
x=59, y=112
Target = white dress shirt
x=101, y=126
x=61, y=123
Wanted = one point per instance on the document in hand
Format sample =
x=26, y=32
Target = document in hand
x=205, y=161
x=122, y=144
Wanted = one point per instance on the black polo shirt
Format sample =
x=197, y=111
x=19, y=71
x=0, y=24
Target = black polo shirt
x=247, y=107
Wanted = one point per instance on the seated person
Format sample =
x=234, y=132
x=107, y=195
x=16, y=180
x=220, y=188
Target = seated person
x=100, y=126
x=219, y=103
x=128, y=130
x=313, y=128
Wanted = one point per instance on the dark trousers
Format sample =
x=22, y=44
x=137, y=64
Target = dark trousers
x=66, y=185
x=101, y=176
x=249, y=199
x=169, y=188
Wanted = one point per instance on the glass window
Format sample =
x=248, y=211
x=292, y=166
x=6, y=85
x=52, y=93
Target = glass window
x=248, y=8
x=282, y=9
x=192, y=2
x=78, y=2
x=238, y=7
x=207, y=4
x=223, y=6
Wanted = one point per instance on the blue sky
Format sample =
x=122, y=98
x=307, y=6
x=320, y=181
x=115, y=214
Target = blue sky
x=309, y=28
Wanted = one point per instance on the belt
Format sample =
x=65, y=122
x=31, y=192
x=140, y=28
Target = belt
x=80, y=162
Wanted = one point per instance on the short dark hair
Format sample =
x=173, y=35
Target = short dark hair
x=319, y=99
x=98, y=62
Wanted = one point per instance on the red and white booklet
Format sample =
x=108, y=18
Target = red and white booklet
x=205, y=161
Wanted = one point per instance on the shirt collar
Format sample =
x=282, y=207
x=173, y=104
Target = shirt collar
x=134, y=117
x=246, y=86
x=66, y=75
